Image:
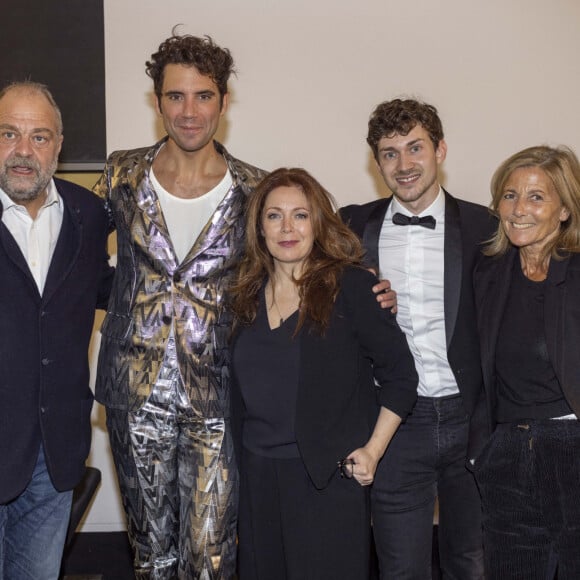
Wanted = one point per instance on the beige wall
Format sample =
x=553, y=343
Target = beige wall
x=504, y=75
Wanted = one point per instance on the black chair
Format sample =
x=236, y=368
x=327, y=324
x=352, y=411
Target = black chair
x=82, y=495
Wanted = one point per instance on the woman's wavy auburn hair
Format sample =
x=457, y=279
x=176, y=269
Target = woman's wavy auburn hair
x=335, y=246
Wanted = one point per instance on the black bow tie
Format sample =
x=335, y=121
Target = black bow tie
x=427, y=221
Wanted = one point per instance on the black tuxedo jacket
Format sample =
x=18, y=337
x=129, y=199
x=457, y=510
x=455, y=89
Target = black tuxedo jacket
x=336, y=405
x=467, y=226
x=561, y=314
x=44, y=373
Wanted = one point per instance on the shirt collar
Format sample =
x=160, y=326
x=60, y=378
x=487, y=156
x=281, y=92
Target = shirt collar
x=436, y=209
x=51, y=198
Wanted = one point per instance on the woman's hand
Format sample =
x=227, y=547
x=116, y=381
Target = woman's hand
x=366, y=458
x=364, y=465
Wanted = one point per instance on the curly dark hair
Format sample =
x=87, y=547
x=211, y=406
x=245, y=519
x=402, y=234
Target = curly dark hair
x=400, y=117
x=202, y=53
x=335, y=247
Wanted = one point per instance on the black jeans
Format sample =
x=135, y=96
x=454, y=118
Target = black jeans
x=425, y=460
x=529, y=477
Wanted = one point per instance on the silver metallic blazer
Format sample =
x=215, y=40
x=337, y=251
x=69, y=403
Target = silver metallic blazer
x=152, y=292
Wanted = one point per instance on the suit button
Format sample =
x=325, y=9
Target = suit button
x=45, y=361
x=166, y=319
x=43, y=410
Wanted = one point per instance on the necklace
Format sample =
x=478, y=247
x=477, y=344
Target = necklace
x=274, y=303
x=274, y=308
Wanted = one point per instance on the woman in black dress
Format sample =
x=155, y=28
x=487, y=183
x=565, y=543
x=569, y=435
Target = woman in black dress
x=310, y=422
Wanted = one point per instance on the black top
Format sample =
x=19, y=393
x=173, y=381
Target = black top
x=336, y=400
x=267, y=363
x=527, y=386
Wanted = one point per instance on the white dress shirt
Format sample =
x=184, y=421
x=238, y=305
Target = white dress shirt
x=37, y=237
x=412, y=258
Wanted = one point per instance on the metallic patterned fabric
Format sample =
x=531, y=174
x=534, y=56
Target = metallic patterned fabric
x=179, y=483
x=155, y=297
x=153, y=293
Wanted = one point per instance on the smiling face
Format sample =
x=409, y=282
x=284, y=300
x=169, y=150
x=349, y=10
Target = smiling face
x=409, y=164
x=287, y=228
x=530, y=210
x=30, y=142
x=190, y=106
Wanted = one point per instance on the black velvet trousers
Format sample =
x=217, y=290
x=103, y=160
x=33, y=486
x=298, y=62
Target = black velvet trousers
x=529, y=478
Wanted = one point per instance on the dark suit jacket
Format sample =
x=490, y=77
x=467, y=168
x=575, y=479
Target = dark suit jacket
x=44, y=373
x=467, y=226
x=337, y=399
x=562, y=321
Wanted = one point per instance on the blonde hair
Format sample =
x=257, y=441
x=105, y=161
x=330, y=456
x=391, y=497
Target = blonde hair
x=561, y=165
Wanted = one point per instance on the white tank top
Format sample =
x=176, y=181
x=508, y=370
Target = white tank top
x=186, y=218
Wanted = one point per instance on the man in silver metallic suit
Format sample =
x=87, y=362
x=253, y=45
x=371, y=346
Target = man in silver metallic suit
x=164, y=367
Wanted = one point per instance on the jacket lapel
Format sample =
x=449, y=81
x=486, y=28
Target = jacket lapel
x=67, y=247
x=372, y=232
x=65, y=252
x=154, y=231
x=561, y=326
x=13, y=252
x=555, y=307
x=453, y=265
x=492, y=290
x=227, y=221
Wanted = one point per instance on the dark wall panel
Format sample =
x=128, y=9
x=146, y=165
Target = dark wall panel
x=61, y=44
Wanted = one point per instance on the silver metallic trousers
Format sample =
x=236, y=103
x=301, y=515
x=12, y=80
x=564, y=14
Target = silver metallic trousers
x=179, y=483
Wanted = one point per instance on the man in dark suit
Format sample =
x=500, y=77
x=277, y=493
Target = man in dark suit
x=54, y=269
x=430, y=264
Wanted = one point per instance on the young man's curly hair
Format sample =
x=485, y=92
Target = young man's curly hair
x=400, y=117
x=202, y=53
